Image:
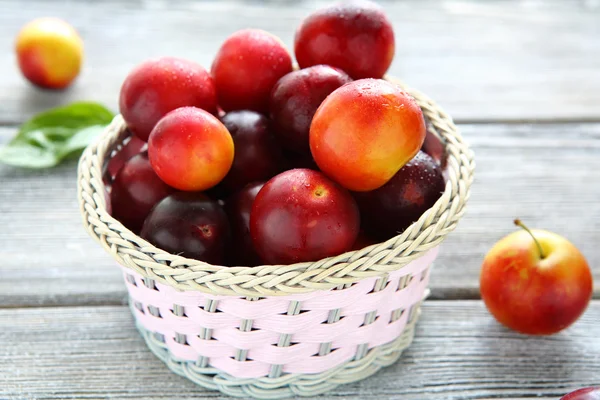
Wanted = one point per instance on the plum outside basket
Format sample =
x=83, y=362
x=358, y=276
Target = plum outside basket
x=277, y=331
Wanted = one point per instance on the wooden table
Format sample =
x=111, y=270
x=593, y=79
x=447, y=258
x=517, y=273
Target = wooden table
x=521, y=78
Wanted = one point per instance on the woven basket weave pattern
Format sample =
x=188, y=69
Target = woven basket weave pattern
x=366, y=314
x=275, y=331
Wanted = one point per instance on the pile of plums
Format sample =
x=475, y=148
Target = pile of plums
x=258, y=162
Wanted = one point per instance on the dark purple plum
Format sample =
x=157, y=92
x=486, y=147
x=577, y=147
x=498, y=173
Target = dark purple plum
x=257, y=156
x=433, y=146
x=389, y=210
x=297, y=160
x=238, y=208
x=115, y=163
x=295, y=99
x=135, y=190
x=191, y=225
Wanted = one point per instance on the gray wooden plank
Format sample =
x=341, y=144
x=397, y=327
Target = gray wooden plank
x=46, y=257
x=546, y=174
x=481, y=60
x=459, y=352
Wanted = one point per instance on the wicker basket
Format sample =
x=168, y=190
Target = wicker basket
x=277, y=331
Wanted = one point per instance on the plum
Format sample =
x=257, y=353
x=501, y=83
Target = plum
x=364, y=132
x=134, y=146
x=535, y=281
x=246, y=68
x=356, y=37
x=135, y=190
x=258, y=156
x=190, y=149
x=295, y=160
x=433, y=146
x=389, y=210
x=301, y=215
x=590, y=393
x=158, y=86
x=295, y=99
x=191, y=225
x=238, y=208
x=49, y=52
x=363, y=241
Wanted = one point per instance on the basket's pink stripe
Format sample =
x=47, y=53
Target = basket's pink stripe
x=245, y=340
x=291, y=323
x=324, y=333
x=308, y=329
x=315, y=365
x=388, y=301
x=379, y=332
x=338, y=298
x=383, y=301
x=241, y=309
x=241, y=369
x=166, y=296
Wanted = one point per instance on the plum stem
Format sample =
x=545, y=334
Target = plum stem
x=524, y=227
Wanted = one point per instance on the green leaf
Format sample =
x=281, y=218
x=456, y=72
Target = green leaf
x=49, y=137
x=24, y=155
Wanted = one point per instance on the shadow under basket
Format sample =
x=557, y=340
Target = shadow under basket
x=277, y=331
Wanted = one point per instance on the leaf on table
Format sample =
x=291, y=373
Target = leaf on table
x=49, y=137
x=26, y=155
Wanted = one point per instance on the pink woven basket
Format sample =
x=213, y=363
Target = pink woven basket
x=276, y=331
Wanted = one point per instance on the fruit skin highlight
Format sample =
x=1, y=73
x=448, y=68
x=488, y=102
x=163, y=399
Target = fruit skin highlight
x=190, y=149
x=49, y=52
x=246, y=68
x=158, y=86
x=364, y=132
x=535, y=282
x=356, y=37
x=301, y=215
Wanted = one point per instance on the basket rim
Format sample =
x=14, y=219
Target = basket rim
x=183, y=273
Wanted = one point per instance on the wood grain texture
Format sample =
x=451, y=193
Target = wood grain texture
x=46, y=258
x=459, y=352
x=517, y=60
x=546, y=174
